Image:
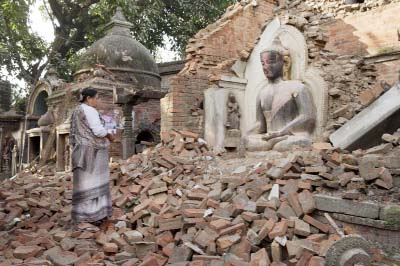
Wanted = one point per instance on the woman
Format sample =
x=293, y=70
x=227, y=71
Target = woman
x=91, y=199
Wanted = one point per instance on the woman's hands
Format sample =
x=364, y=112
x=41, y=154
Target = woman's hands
x=110, y=137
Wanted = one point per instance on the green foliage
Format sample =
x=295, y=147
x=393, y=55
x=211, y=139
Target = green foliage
x=21, y=51
x=20, y=104
x=78, y=23
x=19, y=99
x=391, y=216
x=152, y=19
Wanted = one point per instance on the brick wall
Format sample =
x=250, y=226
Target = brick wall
x=389, y=71
x=370, y=32
x=338, y=38
x=235, y=32
x=147, y=118
x=373, y=32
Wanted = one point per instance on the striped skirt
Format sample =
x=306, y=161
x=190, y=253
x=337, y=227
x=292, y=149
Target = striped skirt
x=91, y=199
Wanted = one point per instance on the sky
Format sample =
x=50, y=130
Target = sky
x=40, y=24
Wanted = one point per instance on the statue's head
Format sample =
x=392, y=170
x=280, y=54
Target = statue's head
x=232, y=97
x=273, y=60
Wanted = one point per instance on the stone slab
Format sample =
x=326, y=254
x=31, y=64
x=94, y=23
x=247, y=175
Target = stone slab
x=380, y=224
x=364, y=122
x=339, y=205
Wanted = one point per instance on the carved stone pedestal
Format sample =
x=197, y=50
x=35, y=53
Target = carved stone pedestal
x=63, y=163
x=232, y=138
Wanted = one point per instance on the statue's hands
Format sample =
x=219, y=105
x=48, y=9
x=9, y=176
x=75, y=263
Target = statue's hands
x=271, y=135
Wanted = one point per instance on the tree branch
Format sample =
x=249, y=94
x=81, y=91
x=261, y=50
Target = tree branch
x=50, y=15
x=57, y=10
x=89, y=3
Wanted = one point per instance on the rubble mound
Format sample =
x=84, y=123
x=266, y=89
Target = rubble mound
x=177, y=204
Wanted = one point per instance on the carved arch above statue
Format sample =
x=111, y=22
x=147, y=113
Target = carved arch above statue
x=37, y=102
x=319, y=92
x=294, y=41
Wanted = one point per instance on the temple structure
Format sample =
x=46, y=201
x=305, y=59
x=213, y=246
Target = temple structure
x=270, y=77
x=334, y=50
x=10, y=124
x=130, y=86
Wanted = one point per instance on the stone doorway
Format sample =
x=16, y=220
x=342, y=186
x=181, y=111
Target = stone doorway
x=146, y=137
x=34, y=148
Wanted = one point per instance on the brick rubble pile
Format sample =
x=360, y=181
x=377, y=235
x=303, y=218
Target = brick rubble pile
x=172, y=205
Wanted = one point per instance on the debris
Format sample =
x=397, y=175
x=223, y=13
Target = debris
x=171, y=205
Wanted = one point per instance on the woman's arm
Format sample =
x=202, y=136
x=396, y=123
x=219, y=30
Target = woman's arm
x=93, y=119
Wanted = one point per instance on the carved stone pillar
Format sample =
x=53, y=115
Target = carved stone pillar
x=128, y=147
x=63, y=163
x=14, y=161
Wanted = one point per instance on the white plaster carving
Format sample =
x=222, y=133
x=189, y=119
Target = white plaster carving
x=215, y=103
x=254, y=73
x=294, y=41
x=246, y=90
x=319, y=90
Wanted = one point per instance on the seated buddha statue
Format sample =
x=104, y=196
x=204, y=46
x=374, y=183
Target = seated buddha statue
x=285, y=113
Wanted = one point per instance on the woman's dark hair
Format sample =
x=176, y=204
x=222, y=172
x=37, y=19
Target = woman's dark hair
x=87, y=92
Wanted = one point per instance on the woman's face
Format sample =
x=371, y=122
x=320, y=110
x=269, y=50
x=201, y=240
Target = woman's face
x=93, y=101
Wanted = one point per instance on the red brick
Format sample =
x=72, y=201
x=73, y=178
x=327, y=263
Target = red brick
x=164, y=238
x=278, y=230
x=24, y=252
x=156, y=259
x=317, y=224
x=110, y=248
x=316, y=261
x=167, y=250
x=233, y=229
x=259, y=257
x=142, y=206
x=295, y=203
x=198, y=263
x=304, y=259
x=267, y=227
x=194, y=213
x=219, y=225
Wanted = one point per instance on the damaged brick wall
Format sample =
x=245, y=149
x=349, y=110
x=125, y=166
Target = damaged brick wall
x=338, y=50
x=147, y=118
x=340, y=38
x=370, y=28
x=358, y=57
x=226, y=39
x=389, y=71
x=366, y=29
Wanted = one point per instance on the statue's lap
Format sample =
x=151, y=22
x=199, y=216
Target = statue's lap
x=255, y=142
